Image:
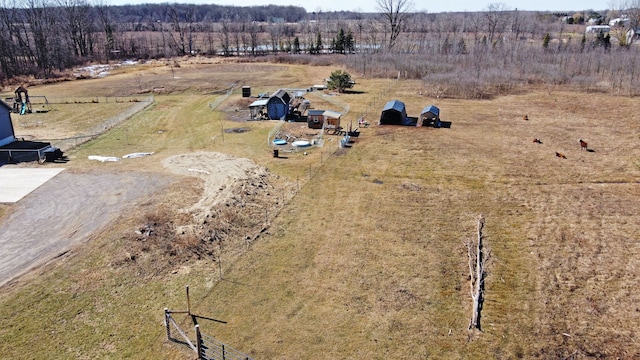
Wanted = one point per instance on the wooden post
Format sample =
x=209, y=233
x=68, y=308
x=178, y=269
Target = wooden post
x=199, y=342
x=188, y=302
x=166, y=322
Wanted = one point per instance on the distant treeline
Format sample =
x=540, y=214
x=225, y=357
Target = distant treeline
x=42, y=38
x=470, y=54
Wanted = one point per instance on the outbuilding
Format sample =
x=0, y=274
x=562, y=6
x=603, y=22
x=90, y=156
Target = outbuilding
x=394, y=113
x=597, y=29
x=332, y=118
x=315, y=119
x=278, y=105
x=257, y=109
x=430, y=115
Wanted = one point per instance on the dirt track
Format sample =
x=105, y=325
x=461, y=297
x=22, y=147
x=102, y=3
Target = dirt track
x=64, y=212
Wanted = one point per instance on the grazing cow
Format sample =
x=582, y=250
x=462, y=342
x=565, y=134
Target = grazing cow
x=525, y=118
x=583, y=144
x=537, y=141
x=560, y=155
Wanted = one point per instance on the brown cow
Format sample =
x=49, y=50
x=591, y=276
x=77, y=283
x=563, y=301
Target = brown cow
x=560, y=155
x=583, y=144
x=525, y=118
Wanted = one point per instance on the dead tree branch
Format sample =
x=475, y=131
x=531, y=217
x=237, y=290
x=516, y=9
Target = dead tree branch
x=477, y=274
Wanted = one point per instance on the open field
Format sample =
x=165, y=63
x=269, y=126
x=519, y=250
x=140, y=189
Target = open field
x=363, y=254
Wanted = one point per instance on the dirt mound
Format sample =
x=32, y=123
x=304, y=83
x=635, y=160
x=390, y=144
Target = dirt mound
x=223, y=176
x=231, y=210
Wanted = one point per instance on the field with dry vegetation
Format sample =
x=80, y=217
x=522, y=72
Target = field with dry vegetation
x=345, y=253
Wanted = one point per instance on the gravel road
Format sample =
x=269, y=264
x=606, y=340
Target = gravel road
x=64, y=212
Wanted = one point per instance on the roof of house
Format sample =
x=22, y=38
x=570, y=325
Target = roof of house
x=315, y=112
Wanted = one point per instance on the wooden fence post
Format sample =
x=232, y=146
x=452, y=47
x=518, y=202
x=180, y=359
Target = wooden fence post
x=188, y=302
x=167, y=314
x=199, y=342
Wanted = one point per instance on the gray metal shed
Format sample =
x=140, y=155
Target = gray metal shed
x=430, y=115
x=393, y=113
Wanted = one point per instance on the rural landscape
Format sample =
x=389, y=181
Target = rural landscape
x=363, y=247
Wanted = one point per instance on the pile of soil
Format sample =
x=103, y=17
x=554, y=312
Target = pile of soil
x=236, y=199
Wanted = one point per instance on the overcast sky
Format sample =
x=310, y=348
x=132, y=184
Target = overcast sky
x=420, y=5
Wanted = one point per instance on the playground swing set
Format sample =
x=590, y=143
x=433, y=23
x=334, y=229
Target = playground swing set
x=21, y=102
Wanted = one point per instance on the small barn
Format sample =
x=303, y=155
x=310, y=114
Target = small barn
x=278, y=105
x=315, y=119
x=394, y=113
x=430, y=115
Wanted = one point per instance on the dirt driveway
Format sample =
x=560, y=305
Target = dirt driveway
x=64, y=212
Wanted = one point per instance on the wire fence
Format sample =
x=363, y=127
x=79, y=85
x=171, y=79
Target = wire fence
x=205, y=346
x=69, y=143
x=212, y=349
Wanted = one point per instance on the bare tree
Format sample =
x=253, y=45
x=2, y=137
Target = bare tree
x=394, y=14
x=78, y=25
x=496, y=16
x=253, y=35
x=42, y=23
x=108, y=27
x=225, y=42
x=180, y=28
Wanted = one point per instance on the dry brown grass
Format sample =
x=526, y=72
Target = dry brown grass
x=368, y=260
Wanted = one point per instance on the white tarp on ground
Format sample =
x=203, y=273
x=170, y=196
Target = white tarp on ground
x=104, y=158
x=15, y=183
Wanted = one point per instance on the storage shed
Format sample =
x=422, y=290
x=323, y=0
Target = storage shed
x=394, y=113
x=429, y=115
x=278, y=105
x=257, y=109
x=332, y=118
x=315, y=119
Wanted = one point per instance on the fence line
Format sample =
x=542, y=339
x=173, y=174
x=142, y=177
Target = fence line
x=69, y=143
x=206, y=347
x=212, y=349
x=168, y=320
